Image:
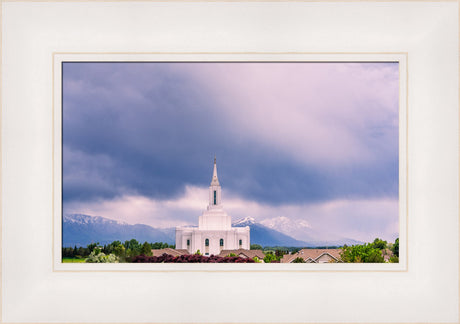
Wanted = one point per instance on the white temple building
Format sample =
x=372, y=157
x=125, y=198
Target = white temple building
x=214, y=232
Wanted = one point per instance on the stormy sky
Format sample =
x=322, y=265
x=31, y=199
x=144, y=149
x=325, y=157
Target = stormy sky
x=312, y=142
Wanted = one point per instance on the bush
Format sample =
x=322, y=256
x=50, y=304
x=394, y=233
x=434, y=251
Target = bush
x=189, y=258
x=394, y=259
x=270, y=258
x=100, y=257
x=365, y=253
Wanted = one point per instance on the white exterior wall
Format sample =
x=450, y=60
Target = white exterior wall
x=198, y=237
x=215, y=219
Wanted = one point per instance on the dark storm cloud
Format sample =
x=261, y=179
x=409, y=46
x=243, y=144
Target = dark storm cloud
x=150, y=129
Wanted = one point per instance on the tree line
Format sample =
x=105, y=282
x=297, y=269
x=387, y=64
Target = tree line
x=374, y=252
x=131, y=250
x=128, y=249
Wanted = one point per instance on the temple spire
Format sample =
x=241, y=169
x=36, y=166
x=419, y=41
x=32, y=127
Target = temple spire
x=215, y=180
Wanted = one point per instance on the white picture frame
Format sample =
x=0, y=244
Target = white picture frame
x=423, y=35
x=59, y=58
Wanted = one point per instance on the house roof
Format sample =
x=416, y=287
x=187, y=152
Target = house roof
x=311, y=254
x=245, y=253
x=173, y=252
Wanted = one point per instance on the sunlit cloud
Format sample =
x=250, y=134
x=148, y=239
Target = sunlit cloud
x=314, y=144
x=315, y=113
x=360, y=220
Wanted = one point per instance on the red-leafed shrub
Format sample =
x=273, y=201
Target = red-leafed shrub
x=189, y=258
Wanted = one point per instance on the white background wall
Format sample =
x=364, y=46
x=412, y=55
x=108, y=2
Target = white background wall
x=33, y=292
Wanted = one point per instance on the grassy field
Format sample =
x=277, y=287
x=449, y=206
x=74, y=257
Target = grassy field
x=72, y=260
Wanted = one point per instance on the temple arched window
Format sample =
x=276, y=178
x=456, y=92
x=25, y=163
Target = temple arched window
x=206, y=242
x=221, y=242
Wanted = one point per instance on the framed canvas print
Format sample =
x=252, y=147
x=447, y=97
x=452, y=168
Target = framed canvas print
x=171, y=111
x=291, y=157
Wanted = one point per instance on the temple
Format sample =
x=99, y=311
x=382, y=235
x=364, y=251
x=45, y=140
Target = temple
x=214, y=232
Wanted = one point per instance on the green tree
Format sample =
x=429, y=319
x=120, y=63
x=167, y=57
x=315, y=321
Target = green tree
x=269, y=257
x=133, y=244
x=111, y=247
x=131, y=253
x=365, y=253
x=256, y=247
x=374, y=256
x=67, y=252
x=161, y=245
x=395, y=248
x=133, y=248
x=379, y=244
x=146, y=249
x=279, y=253
x=120, y=252
x=115, y=243
x=91, y=247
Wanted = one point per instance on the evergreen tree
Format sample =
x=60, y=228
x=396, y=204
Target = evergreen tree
x=146, y=249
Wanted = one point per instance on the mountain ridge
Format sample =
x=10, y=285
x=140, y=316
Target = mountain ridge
x=81, y=230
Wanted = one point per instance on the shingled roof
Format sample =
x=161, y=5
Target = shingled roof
x=244, y=253
x=173, y=252
x=312, y=254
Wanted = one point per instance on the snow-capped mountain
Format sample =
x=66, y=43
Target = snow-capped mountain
x=261, y=234
x=247, y=221
x=296, y=228
x=81, y=230
x=291, y=232
x=86, y=220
